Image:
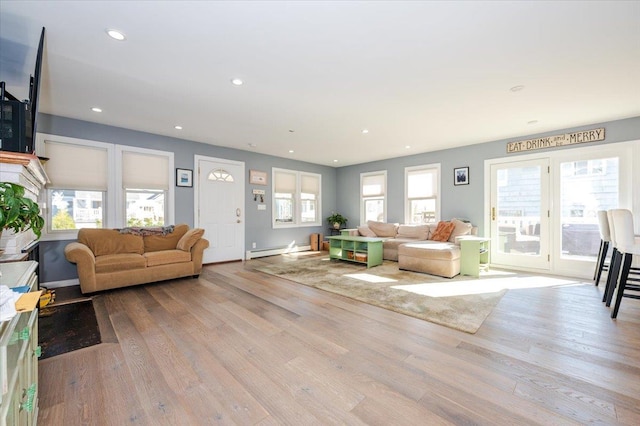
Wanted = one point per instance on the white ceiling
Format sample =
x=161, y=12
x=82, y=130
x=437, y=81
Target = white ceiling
x=429, y=75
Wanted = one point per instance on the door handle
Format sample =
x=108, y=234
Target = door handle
x=493, y=213
x=238, y=212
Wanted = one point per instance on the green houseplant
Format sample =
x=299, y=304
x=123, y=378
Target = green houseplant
x=17, y=212
x=337, y=220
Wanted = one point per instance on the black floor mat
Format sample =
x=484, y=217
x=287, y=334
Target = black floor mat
x=68, y=327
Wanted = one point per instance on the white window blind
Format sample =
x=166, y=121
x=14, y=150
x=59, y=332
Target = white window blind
x=421, y=183
x=373, y=185
x=285, y=182
x=310, y=184
x=76, y=167
x=145, y=171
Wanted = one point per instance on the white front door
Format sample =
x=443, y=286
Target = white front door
x=220, y=207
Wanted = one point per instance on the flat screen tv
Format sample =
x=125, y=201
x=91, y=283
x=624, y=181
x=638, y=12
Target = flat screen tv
x=18, y=119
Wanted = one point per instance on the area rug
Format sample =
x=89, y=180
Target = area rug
x=67, y=327
x=459, y=303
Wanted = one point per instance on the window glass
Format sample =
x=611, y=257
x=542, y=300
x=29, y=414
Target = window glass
x=422, y=194
x=373, y=196
x=296, y=198
x=75, y=209
x=145, y=207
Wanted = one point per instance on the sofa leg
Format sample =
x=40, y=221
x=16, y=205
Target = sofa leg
x=195, y=276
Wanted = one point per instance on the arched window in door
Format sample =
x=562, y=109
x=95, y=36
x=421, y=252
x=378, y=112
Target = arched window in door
x=220, y=175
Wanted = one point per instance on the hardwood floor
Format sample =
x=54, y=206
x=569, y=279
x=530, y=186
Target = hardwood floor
x=237, y=346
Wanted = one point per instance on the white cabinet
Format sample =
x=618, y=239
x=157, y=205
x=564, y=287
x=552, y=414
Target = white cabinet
x=19, y=352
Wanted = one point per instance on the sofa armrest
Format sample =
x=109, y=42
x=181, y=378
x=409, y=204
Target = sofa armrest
x=197, y=252
x=85, y=261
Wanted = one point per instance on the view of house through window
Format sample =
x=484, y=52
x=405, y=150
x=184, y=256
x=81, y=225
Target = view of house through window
x=72, y=209
x=145, y=207
x=586, y=187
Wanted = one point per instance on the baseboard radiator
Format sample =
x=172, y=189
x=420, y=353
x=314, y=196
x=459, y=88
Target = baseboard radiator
x=254, y=254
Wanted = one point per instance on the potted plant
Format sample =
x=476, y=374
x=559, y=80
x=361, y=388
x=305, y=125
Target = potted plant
x=337, y=220
x=17, y=212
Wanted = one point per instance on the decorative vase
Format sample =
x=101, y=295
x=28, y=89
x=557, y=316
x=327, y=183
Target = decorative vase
x=336, y=225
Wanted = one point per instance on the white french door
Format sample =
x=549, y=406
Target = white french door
x=543, y=210
x=520, y=214
x=219, y=198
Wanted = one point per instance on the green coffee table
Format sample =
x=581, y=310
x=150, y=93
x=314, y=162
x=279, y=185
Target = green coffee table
x=365, y=250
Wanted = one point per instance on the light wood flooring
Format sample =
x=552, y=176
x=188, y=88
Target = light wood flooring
x=237, y=346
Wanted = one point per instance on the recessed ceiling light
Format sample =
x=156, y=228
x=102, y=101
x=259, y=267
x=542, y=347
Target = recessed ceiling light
x=365, y=131
x=517, y=88
x=407, y=146
x=116, y=35
x=96, y=109
x=532, y=122
x=177, y=127
x=335, y=161
x=237, y=82
x=290, y=151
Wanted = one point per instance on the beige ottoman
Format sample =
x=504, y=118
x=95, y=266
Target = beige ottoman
x=442, y=259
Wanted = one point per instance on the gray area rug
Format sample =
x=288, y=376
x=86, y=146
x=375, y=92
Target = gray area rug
x=462, y=303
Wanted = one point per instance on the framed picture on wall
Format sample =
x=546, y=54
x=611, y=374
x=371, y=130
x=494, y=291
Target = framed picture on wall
x=184, y=177
x=461, y=176
x=257, y=177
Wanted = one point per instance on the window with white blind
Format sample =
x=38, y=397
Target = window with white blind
x=422, y=187
x=96, y=185
x=296, y=198
x=79, y=181
x=145, y=181
x=373, y=198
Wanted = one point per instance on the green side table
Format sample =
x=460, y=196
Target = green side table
x=474, y=255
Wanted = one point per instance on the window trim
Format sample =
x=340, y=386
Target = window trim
x=438, y=196
x=297, y=200
x=363, y=199
x=114, y=200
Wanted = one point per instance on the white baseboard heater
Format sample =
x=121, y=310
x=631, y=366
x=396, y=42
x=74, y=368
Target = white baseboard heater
x=253, y=254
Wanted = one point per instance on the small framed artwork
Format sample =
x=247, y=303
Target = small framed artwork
x=184, y=177
x=461, y=176
x=257, y=177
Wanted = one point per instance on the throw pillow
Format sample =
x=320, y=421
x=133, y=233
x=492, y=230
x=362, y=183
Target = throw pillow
x=443, y=231
x=461, y=228
x=189, y=239
x=365, y=231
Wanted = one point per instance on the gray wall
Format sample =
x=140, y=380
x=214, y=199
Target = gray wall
x=464, y=201
x=54, y=266
x=340, y=187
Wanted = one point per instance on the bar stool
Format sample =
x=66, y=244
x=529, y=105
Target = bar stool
x=627, y=246
x=605, y=238
x=614, y=264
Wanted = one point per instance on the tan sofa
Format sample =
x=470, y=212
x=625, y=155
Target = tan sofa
x=413, y=247
x=110, y=258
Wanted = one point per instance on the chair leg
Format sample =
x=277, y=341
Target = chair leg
x=612, y=279
x=604, y=247
x=623, y=283
x=595, y=272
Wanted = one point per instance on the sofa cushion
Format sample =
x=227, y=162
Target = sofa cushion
x=189, y=239
x=415, y=232
x=460, y=228
x=433, y=251
x=119, y=262
x=365, y=231
x=383, y=229
x=109, y=241
x=443, y=231
x=165, y=257
x=165, y=242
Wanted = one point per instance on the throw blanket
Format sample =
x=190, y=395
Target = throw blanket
x=135, y=230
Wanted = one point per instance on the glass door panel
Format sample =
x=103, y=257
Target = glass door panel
x=519, y=214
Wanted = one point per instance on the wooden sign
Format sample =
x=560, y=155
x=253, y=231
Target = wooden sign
x=556, y=141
